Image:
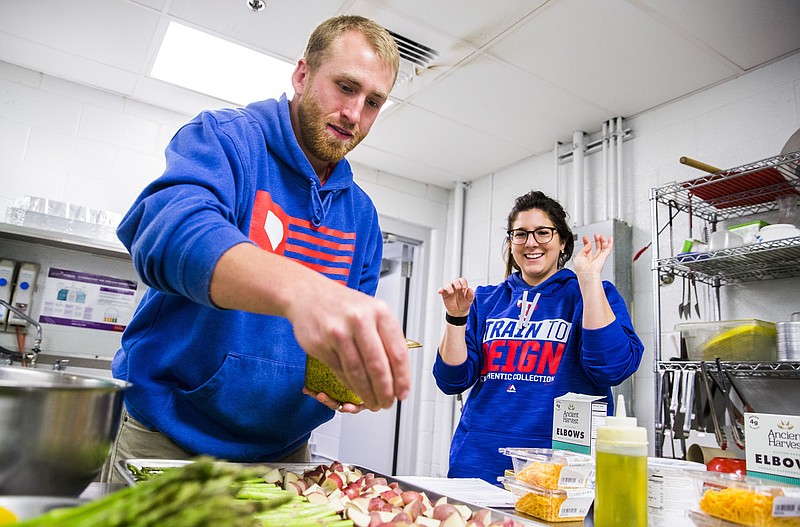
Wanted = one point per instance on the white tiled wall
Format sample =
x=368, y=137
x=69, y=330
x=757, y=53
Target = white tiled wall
x=744, y=120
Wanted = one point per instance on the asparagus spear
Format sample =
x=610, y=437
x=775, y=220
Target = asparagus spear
x=202, y=493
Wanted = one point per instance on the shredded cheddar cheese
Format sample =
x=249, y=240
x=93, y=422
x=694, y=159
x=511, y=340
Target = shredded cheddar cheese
x=745, y=507
x=543, y=507
x=540, y=474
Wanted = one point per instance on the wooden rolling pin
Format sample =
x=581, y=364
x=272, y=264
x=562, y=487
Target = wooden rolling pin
x=688, y=161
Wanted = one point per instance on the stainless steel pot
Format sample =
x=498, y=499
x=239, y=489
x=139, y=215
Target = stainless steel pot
x=56, y=429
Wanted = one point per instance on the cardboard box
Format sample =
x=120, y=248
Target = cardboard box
x=575, y=421
x=773, y=447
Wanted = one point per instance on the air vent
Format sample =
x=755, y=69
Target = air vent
x=415, y=52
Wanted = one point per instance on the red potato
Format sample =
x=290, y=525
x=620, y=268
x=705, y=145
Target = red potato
x=424, y=521
x=274, y=476
x=358, y=517
x=352, y=491
x=401, y=517
x=410, y=495
x=334, y=480
x=369, y=501
x=482, y=517
x=454, y=520
x=362, y=502
x=414, y=509
x=392, y=497
x=443, y=511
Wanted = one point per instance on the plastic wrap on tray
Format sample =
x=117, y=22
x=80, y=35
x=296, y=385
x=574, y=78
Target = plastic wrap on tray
x=551, y=469
x=745, y=500
x=553, y=505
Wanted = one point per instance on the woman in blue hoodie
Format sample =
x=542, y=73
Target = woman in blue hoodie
x=539, y=334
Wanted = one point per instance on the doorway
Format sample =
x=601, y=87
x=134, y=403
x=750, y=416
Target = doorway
x=384, y=441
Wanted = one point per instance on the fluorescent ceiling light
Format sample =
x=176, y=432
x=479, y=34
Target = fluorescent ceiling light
x=219, y=68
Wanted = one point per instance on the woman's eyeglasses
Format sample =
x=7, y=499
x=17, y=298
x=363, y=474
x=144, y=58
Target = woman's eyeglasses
x=540, y=234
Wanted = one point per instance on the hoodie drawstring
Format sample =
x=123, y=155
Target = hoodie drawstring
x=319, y=206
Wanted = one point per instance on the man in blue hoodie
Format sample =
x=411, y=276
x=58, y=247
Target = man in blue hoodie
x=259, y=248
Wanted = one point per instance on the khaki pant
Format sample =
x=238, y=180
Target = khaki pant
x=136, y=441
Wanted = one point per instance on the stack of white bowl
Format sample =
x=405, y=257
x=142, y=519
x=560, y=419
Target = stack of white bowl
x=789, y=339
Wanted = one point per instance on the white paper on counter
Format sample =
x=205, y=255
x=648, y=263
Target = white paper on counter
x=470, y=490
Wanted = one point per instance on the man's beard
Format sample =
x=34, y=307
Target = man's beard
x=313, y=131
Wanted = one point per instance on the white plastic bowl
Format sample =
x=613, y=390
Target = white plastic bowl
x=777, y=231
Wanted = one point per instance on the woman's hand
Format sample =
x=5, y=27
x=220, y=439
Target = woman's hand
x=457, y=297
x=588, y=264
x=590, y=261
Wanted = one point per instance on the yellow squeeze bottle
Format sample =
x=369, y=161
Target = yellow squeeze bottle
x=621, y=472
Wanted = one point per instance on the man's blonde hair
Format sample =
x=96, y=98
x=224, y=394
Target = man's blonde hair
x=376, y=35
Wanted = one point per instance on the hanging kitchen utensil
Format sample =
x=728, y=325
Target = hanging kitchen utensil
x=688, y=306
x=674, y=406
x=688, y=405
x=719, y=434
x=663, y=407
x=678, y=412
x=693, y=279
x=734, y=386
x=734, y=414
x=701, y=405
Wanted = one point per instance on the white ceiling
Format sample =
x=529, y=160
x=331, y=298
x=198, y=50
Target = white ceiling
x=512, y=76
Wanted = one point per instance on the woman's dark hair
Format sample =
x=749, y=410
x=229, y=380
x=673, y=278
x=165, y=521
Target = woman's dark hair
x=553, y=209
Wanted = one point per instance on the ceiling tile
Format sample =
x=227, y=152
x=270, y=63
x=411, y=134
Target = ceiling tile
x=443, y=144
x=280, y=29
x=516, y=107
x=410, y=166
x=745, y=32
x=611, y=54
x=473, y=22
x=108, y=32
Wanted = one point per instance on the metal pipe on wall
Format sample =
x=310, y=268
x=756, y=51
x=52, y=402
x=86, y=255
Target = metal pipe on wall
x=448, y=409
x=617, y=210
x=604, y=140
x=577, y=174
x=611, y=187
x=555, y=168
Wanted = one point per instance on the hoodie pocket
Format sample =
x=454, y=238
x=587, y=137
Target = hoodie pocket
x=257, y=397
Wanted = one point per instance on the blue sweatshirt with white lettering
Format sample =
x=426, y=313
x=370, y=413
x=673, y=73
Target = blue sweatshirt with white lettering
x=517, y=365
x=223, y=382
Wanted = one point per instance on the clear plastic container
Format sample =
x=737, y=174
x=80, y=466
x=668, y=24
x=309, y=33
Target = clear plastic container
x=560, y=505
x=748, y=230
x=737, y=340
x=551, y=469
x=745, y=500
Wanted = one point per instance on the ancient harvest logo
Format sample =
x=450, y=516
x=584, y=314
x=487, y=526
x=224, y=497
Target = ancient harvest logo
x=785, y=425
x=328, y=251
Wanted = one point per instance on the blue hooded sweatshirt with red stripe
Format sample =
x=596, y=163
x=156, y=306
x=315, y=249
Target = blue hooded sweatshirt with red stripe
x=525, y=347
x=221, y=382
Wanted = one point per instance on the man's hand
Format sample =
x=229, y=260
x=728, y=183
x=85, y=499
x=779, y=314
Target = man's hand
x=360, y=339
x=333, y=404
x=358, y=336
